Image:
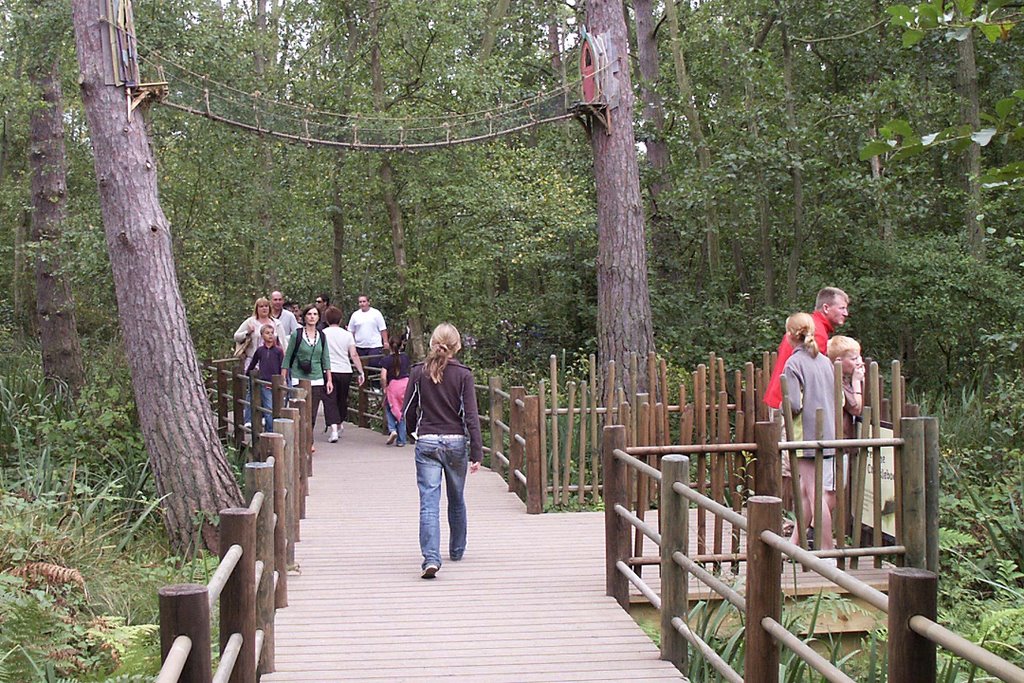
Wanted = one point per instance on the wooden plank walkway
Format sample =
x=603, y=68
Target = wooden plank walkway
x=526, y=603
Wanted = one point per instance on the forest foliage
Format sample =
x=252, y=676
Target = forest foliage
x=863, y=187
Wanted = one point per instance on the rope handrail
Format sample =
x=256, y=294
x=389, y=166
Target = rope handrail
x=960, y=646
x=223, y=573
x=824, y=667
x=175, y=661
x=638, y=465
x=731, y=516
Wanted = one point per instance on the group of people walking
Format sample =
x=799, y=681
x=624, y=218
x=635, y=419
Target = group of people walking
x=438, y=395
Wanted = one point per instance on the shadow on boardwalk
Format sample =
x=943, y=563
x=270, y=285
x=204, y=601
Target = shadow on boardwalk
x=527, y=602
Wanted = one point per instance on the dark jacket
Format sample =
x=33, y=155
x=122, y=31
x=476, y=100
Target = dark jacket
x=445, y=408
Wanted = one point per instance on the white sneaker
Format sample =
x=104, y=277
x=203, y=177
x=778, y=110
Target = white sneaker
x=333, y=438
x=391, y=437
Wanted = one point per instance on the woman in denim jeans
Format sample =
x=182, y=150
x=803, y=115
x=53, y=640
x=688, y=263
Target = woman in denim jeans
x=448, y=442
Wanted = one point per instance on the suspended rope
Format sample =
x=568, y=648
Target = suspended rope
x=198, y=95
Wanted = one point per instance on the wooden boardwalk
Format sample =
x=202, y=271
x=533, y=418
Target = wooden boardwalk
x=526, y=603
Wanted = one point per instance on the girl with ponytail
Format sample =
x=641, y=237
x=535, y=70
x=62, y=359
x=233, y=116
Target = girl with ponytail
x=441, y=393
x=810, y=382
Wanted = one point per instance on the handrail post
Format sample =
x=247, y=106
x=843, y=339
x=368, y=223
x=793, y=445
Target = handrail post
x=616, y=530
x=912, y=470
x=279, y=394
x=534, y=481
x=675, y=537
x=767, y=463
x=764, y=589
x=364, y=403
x=222, y=400
x=515, y=449
x=255, y=403
x=259, y=477
x=289, y=427
x=294, y=445
x=238, y=599
x=497, y=412
x=185, y=611
x=912, y=592
x=931, y=492
x=307, y=444
x=277, y=450
x=237, y=409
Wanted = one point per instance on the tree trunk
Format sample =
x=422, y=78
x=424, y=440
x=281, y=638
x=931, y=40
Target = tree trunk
x=794, y=164
x=192, y=475
x=663, y=232
x=623, y=301
x=265, y=267
x=336, y=213
x=494, y=22
x=55, y=310
x=967, y=85
x=692, y=114
x=22, y=278
x=395, y=217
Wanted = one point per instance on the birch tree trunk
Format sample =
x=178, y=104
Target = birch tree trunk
x=967, y=86
x=663, y=233
x=696, y=129
x=188, y=463
x=623, y=300
x=55, y=310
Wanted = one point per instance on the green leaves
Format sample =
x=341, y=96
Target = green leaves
x=916, y=21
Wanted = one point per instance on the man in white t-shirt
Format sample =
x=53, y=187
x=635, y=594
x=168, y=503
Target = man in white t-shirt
x=371, y=334
x=277, y=310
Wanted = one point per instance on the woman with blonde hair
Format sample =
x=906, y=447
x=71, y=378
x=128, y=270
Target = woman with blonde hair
x=810, y=384
x=441, y=402
x=250, y=330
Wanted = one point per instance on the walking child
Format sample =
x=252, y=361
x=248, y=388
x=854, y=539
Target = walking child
x=267, y=361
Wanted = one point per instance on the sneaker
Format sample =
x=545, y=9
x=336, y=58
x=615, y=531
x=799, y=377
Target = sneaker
x=248, y=425
x=333, y=438
x=399, y=445
x=391, y=437
x=429, y=572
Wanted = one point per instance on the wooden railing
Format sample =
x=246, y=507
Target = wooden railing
x=257, y=545
x=910, y=606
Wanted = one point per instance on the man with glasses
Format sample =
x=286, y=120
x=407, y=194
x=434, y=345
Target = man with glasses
x=277, y=311
x=321, y=303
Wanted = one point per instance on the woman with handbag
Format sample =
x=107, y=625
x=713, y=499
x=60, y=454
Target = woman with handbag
x=308, y=358
x=442, y=395
x=248, y=339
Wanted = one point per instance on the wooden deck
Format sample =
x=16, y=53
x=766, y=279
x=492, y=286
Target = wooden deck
x=526, y=603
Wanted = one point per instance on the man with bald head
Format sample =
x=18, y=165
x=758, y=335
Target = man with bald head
x=277, y=311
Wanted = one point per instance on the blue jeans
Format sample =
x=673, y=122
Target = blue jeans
x=397, y=426
x=267, y=401
x=434, y=455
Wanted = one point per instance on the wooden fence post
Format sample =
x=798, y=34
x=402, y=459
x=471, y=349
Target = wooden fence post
x=931, y=492
x=911, y=592
x=364, y=403
x=277, y=451
x=308, y=423
x=912, y=470
x=185, y=611
x=616, y=530
x=259, y=478
x=255, y=403
x=238, y=599
x=768, y=464
x=222, y=399
x=497, y=412
x=291, y=508
x=764, y=589
x=535, y=485
x=675, y=537
x=237, y=409
x=516, y=450
x=294, y=445
x=279, y=394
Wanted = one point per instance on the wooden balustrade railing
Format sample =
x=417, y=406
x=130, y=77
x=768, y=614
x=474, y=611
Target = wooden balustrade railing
x=257, y=544
x=910, y=606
